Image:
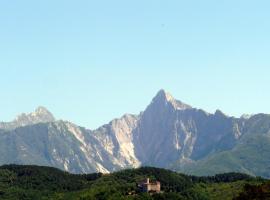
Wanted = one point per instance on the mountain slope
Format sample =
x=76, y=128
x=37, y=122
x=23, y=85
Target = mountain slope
x=250, y=155
x=68, y=147
x=168, y=134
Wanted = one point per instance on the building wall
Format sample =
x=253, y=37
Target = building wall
x=148, y=187
x=153, y=187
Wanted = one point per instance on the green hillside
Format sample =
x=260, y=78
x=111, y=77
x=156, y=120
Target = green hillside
x=32, y=182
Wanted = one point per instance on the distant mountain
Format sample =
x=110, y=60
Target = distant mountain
x=168, y=134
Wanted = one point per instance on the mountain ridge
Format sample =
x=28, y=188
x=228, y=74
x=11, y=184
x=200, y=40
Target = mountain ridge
x=167, y=134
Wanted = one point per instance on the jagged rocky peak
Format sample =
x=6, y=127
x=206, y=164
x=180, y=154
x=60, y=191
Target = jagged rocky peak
x=126, y=123
x=246, y=116
x=40, y=115
x=42, y=112
x=166, y=97
x=219, y=113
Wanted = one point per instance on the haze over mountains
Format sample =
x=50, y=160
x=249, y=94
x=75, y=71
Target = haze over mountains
x=168, y=134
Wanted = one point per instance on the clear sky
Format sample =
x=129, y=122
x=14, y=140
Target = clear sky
x=91, y=61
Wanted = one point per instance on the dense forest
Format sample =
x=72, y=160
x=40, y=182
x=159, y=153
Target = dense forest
x=33, y=182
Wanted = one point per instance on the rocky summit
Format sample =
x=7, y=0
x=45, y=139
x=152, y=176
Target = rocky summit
x=168, y=134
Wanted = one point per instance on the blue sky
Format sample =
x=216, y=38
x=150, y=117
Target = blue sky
x=92, y=61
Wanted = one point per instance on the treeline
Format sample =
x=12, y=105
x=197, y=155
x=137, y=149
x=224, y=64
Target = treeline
x=44, y=178
x=34, y=182
x=223, y=178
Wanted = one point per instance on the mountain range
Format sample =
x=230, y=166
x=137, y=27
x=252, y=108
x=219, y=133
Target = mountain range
x=168, y=134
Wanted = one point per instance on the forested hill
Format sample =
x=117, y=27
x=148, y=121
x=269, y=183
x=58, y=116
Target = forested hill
x=33, y=182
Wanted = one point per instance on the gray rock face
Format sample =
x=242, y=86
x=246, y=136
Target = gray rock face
x=66, y=146
x=168, y=134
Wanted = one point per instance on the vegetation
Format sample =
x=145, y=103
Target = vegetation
x=32, y=182
x=255, y=192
